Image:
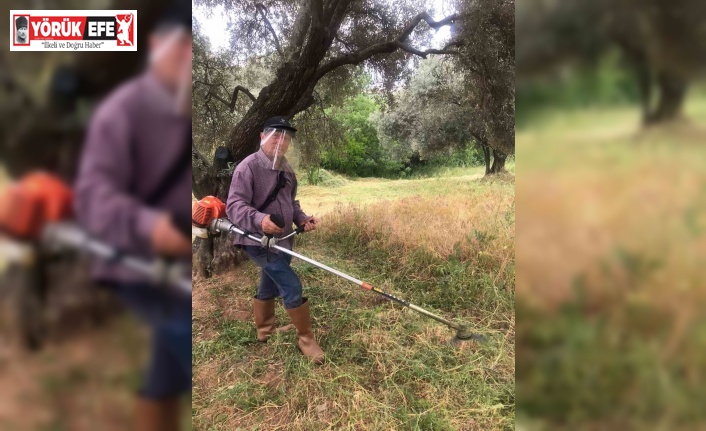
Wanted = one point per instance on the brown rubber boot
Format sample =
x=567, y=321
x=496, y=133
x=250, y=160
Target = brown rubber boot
x=264, y=312
x=307, y=343
x=157, y=415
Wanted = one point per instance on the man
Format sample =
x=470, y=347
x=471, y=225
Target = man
x=21, y=25
x=134, y=191
x=254, y=196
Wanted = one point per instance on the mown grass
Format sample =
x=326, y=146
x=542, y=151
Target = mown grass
x=610, y=245
x=387, y=367
x=323, y=198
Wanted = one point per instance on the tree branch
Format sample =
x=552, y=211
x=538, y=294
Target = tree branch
x=329, y=8
x=425, y=17
x=317, y=13
x=263, y=12
x=300, y=30
x=234, y=98
x=456, y=43
x=345, y=44
x=390, y=46
x=196, y=155
x=424, y=54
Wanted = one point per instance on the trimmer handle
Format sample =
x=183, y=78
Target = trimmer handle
x=278, y=220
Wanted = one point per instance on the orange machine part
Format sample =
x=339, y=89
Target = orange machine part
x=56, y=197
x=204, y=211
x=38, y=198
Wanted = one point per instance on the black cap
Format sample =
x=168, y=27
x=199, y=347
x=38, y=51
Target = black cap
x=178, y=14
x=21, y=22
x=279, y=123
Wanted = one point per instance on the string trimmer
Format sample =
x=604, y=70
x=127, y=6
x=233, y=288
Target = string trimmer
x=36, y=212
x=207, y=218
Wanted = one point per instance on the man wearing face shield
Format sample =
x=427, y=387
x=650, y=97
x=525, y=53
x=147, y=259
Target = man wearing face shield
x=133, y=191
x=264, y=184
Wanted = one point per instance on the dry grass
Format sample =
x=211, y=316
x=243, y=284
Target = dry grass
x=610, y=239
x=434, y=224
x=630, y=216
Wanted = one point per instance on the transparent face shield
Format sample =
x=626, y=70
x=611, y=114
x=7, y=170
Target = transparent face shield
x=279, y=145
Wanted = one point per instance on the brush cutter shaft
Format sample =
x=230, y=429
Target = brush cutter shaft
x=434, y=316
x=368, y=287
x=66, y=235
x=320, y=265
x=224, y=225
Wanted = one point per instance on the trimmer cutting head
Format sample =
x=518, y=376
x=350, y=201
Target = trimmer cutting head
x=464, y=333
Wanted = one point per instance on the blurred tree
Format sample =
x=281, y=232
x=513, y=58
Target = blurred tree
x=664, y=43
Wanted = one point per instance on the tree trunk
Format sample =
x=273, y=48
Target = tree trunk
x=672, y=94
x=486, y=157
x=498, y=162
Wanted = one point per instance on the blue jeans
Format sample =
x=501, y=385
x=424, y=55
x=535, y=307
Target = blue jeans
x=169, y=317
x=277, y=278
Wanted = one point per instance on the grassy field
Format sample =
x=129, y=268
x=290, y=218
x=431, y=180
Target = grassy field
x=444, y=243
x=610, y=243
x=338, y=190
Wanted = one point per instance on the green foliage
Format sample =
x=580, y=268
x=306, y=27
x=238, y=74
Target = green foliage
x=421, y=133
x=607, y=83
x=589, y=370
x=430, y=116
x=362, y=154
x=468, y=157
x=487, y=58
x=316, y=176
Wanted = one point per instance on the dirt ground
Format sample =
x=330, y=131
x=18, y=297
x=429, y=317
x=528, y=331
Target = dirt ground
x=83, y=378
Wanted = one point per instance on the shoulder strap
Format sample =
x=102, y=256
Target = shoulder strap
x=281, y=182
x=176, y=170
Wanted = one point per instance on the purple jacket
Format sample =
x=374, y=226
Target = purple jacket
x=133, y=139
x=252, y=183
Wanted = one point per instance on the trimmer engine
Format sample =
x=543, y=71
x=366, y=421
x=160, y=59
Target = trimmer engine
x=27, y=205
x=203, y=212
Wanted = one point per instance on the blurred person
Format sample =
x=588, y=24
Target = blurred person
x=21, y=24
x=264, y=183
x=133, y=191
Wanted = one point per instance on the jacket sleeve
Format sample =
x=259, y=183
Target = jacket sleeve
x=239, y=207
x=299, y=216
x=103, y=202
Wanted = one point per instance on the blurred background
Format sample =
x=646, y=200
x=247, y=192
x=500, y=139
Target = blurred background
x=611, y=226
x=70, y=357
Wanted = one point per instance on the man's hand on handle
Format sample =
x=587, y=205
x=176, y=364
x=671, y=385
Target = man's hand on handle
x=270, y=228
x=167, y=240
x=311, y=224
